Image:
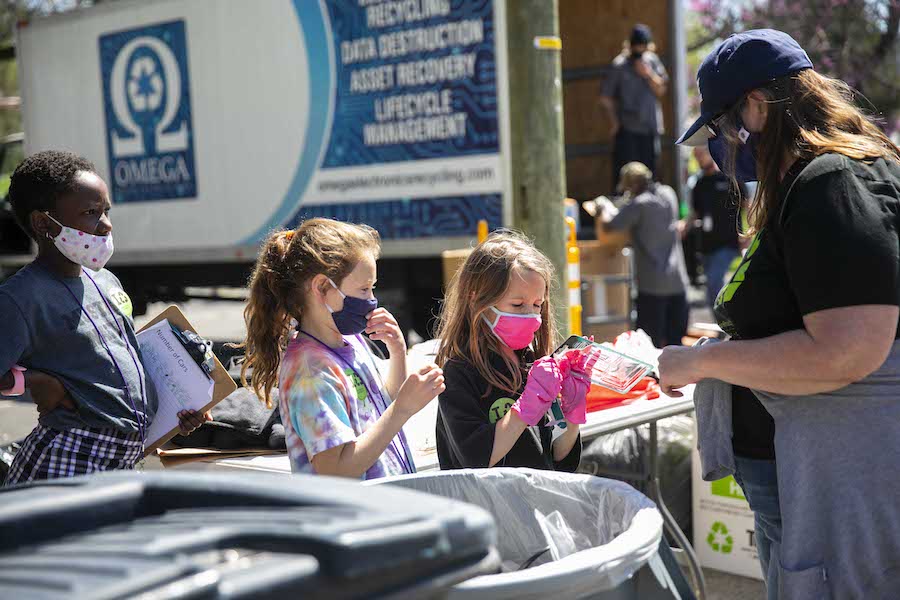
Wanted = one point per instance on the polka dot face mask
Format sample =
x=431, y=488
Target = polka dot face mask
x=86, y=249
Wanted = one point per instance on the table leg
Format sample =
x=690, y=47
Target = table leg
x=668, y=519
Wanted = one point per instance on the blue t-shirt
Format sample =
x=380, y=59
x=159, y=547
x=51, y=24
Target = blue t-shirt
x=45, y=328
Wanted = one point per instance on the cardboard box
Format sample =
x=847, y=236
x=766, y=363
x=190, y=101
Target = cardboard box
x=606, y=278
x=600, y=298
x=724, y=535
x=605, y=333
x=452, y=261
x=599, y=258
x=614, y=239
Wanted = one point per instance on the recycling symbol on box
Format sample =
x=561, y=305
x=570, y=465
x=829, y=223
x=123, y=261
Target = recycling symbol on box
x=719, y=539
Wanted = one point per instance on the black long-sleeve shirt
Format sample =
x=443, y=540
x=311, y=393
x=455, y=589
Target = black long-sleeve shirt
x=467, y=419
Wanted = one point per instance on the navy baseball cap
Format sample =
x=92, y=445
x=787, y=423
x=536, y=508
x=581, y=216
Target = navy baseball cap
x=739, y=64
x=641, y=34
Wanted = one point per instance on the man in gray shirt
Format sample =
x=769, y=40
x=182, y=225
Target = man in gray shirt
x=651, y=215
x=630, y=94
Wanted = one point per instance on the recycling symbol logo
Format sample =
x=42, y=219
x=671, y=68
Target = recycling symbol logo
x=145, y=85
x=719, y=539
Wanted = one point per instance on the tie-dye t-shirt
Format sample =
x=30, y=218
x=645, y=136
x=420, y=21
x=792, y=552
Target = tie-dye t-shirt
x=324, y=403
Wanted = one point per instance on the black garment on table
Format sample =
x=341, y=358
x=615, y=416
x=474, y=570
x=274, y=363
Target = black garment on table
x=663, y=318
x=833, y=242
x=466, y=423
x=716, y=204
x=629, y=147
x=240, y=421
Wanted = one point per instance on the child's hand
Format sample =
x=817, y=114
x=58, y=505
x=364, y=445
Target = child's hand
x=383, y=326
x=189, y=420
x=543, y=386
x=582, y=360
x=575, y=387
x=47, y=392
x=419, y=389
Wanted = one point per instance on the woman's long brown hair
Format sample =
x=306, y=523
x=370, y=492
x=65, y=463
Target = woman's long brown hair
x=287, y=262
x=808, y=115
x=480, y=283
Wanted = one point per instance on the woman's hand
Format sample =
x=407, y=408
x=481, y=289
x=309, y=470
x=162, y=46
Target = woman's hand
x=189, y=420
x=382, y=326
x=678, y=366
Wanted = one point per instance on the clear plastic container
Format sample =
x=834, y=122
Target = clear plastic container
x=608, y=367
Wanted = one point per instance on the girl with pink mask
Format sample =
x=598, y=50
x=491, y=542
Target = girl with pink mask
x=496, y=320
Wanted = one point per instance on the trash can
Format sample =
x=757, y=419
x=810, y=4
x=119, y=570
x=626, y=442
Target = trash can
x=561, y=535
x=210, y=536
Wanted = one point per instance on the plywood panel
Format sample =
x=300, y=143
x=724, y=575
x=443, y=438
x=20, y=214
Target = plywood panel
x=592, y=33
x=585, y=120
x=588, y=177
x=593, y=30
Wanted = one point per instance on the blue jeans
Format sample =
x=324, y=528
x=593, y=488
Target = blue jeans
x=715, y=265
x=759, y=480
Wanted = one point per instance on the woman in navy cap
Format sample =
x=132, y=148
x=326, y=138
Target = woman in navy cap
x=813, y=317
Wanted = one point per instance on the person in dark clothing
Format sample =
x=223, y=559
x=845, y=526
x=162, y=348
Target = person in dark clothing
x=630, y=95
x=812, y=312
x=496, y=320
x=716, y=206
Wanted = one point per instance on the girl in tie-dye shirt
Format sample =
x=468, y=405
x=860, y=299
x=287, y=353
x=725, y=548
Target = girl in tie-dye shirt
x=311, y=299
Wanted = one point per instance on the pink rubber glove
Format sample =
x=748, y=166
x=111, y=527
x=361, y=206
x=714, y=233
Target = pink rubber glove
x=541, y=389
x=583, y=360
x=575, y=386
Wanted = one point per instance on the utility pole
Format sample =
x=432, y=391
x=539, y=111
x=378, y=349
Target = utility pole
x=679, y=87
x=536, y=120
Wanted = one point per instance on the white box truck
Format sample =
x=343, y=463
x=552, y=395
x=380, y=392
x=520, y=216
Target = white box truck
x=216, y=121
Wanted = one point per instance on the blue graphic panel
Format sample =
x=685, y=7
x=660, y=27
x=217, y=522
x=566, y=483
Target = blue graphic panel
x=313, y=24
x=416, y=218
x=147, y=104
x=444, y=93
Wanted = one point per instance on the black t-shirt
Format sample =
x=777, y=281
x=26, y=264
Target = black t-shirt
x=717, y=206
x=832, y=243
x=467, y=420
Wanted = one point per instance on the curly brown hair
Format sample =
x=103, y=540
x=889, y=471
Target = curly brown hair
x=287, y=263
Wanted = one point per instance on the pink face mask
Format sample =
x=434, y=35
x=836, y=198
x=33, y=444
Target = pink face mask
x=516, y=331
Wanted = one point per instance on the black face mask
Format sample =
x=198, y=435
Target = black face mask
x=637, y=55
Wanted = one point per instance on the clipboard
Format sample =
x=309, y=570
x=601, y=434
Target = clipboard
x=223, y=383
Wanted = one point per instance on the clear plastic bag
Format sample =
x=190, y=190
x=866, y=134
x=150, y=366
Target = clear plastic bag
x=571, y=533
x=562, y=540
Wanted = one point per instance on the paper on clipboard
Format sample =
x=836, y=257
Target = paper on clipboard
x=179, y=381
x=223, y=384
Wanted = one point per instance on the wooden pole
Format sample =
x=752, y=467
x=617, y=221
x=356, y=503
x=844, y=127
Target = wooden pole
x=536, y=119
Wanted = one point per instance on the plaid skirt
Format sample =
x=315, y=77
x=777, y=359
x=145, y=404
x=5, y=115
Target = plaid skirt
x=49, y=453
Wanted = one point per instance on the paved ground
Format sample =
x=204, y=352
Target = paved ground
x=722, y=586
x=223, y=321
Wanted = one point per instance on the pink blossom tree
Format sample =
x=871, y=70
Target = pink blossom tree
x=853, y=40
